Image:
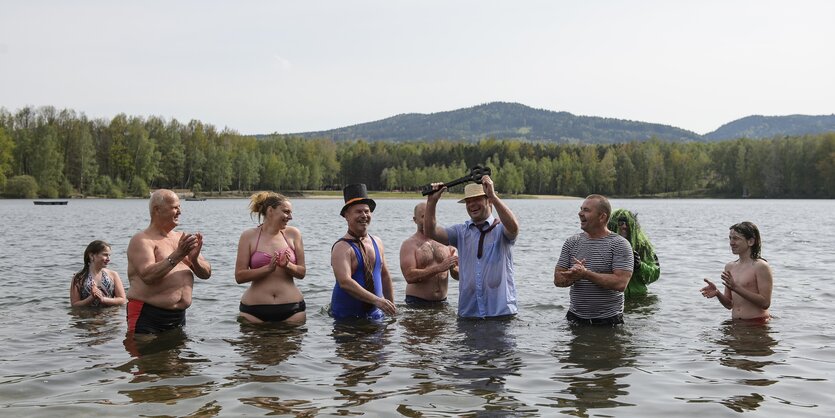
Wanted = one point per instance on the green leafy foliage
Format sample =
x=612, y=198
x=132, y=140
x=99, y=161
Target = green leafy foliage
x=58, y=153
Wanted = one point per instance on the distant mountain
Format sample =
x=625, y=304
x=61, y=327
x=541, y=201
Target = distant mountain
x=771, y=126
x=501, y=120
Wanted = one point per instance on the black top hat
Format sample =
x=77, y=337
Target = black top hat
x=354, y=194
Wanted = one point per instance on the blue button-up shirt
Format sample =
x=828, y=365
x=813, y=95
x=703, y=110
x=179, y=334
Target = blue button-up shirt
x=485, y=285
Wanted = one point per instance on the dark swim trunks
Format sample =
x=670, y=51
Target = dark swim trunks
x=416, y=302
x=611, y=321
x=274, y=313
x=144, y=318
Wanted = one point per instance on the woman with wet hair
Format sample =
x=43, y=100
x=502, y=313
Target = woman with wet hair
x=647, y=268
x=748, y=279
x=96, y=285
x=270, y=258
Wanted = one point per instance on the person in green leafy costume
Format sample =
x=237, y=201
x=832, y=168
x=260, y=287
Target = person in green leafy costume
x=647, y=268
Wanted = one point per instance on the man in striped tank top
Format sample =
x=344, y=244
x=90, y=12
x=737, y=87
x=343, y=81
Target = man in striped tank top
x=597, y=264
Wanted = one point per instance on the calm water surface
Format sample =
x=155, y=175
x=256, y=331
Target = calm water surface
x=677, y=355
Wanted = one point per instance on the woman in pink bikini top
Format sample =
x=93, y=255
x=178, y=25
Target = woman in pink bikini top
x=270, y=258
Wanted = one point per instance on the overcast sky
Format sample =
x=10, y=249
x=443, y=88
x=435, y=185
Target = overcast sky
x=295, y=66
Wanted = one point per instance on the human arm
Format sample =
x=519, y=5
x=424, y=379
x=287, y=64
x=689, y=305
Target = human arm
x=195, y=260
x=563, y=277
x=616, y=280
x=760, y=298
x=143, y=265
x=711, y=291
x=509, y=221
x=454, y=270
x=413, y=274
x=341, y=257
x=297, y=269
x=75, y=297
x=430, y=227
x=244, y=274
x=119, y=297
x=388, y=287
x=647, y=271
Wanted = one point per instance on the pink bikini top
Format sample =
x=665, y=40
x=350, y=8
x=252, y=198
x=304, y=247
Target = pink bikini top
x=260, y=259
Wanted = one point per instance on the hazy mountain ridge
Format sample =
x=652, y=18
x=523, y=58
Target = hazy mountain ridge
x=757, y=126
x=501, y=120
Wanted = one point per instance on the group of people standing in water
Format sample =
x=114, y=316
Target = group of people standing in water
x=611, y=259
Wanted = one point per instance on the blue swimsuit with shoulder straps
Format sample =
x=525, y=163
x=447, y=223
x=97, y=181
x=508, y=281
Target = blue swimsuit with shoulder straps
x=343, y=305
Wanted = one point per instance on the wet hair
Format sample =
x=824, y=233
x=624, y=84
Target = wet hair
x=92, y=249
x=637, y=239
x=603, y=204
x=750, y=231
x=259, y=202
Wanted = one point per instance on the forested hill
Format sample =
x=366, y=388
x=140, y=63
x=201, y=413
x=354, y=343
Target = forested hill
x=500, y=120
x=773, y=126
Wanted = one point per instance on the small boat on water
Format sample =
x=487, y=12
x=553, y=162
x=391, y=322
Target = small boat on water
x=195, y=199
x=50, y=202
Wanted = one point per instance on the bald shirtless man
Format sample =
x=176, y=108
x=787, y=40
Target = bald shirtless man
x=162, y=264
x=426, y=265
x=748, y=280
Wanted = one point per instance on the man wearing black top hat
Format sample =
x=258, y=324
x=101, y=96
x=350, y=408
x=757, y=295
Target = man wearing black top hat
x=363, y=286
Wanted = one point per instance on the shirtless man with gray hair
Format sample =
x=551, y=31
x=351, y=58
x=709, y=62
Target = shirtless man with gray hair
x=162, y=264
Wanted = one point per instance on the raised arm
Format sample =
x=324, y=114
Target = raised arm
x=511, y=225
x=430, y=227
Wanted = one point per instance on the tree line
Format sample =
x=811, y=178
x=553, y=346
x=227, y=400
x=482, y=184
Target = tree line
x=48, y=152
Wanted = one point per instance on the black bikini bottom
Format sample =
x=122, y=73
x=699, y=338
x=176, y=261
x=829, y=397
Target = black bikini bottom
x=274, y=313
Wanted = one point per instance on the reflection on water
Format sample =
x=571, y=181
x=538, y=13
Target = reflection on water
x=749, y=349
x=673, y=357
x=483, y=355
x=363, y=346
x=590, y=361
x=159, y=357
x=640, y=307
x=267, y=344
x=96, y=323
x=748, y=346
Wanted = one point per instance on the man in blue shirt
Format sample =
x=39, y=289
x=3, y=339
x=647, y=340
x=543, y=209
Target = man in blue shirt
x=484, y=243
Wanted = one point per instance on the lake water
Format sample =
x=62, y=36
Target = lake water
x=677, y=354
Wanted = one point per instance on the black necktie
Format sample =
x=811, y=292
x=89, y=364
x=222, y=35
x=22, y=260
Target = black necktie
x=483, y=233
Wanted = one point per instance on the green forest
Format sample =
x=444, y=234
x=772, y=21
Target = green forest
x=46, y=152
